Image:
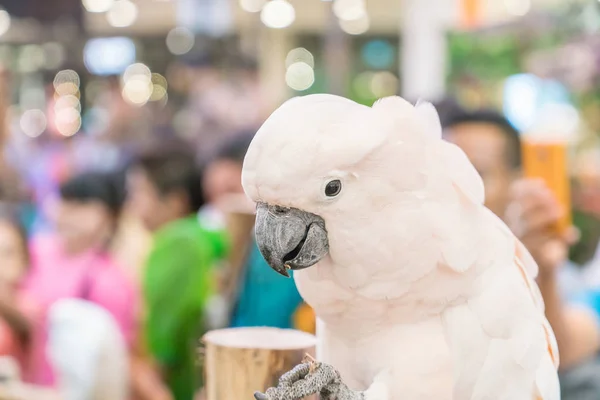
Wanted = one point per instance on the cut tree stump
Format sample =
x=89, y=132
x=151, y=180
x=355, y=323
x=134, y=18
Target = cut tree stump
x=241, y=361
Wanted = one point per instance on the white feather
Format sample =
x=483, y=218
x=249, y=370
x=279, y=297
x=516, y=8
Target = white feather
x=419, y=280
x=429, y=115
x=380, y=388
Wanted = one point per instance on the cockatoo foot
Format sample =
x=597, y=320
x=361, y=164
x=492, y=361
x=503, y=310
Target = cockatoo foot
x=308, y=379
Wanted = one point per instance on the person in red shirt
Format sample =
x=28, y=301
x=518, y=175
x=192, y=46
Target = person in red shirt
x=14, y=328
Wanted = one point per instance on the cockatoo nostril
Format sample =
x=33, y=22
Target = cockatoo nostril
x=278, y=210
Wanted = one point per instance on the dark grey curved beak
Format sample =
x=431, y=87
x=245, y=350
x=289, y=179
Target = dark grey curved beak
x=289, y=238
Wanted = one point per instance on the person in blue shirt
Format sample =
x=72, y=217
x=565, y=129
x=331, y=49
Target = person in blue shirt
x=262, y=298
x=265, y=298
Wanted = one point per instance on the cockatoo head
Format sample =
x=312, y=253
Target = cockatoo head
x=322, y=165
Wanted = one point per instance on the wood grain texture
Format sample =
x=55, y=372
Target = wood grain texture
x=240, y=361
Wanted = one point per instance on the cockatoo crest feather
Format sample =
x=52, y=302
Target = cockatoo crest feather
x=430, y=116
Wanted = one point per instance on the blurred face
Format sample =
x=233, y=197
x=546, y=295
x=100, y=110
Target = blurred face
x=222, y=177
x=486, y=147
x=147, y=203
x=82, y=225
x=12, y=254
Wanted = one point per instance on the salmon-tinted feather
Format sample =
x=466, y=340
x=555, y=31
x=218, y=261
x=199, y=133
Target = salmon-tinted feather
x=552, y=348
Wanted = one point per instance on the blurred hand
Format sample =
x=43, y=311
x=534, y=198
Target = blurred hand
x=531, y=215
x=200, y=395
x=146, y=380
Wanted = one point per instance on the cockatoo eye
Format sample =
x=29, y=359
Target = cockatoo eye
x=333, y=188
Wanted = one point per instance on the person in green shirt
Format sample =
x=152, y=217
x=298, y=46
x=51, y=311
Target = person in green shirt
x=165, y=191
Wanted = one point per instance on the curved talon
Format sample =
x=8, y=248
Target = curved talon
x=307, y=379
x=260, y=396
x=299, y=372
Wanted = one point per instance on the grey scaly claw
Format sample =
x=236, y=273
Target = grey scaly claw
x=308, y=379
x=260, y=396
x=332, y=385
x=284, y=390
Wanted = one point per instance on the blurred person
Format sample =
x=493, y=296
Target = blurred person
x=15, y=331
x=260, y=298
x=87, y=351
x=164, y=187
x=72, y=261
x=530, y=209
x=223, y=174
x=494, y=148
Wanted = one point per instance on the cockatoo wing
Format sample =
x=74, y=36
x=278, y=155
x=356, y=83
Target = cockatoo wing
x=528, y=350
x=501, y=340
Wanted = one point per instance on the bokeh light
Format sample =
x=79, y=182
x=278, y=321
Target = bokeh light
x=97, y=6
x=300, y=76
x=159, y=87
x=158, y=79
x=123, y=13
x=67, y=89
x=349, y=10
x=137, y=84
x=4, y=21
x=357, y=26
x=158, y=93
x=67, y=107
x=109, y=56
x=378, y=54
x=67, y=121
x=180, y=40
x=68, y=101
x=252, y=6
x=300, y=54
x=66, y=82
x=33, y=123
x=517, y=7
x=521, y=94
x=559, y=121
x=383, y=84
x=137, y=91
x=278, y=14
x=362, y=84
x=137, y=69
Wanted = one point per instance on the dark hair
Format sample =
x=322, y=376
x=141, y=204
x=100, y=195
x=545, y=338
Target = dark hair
x=173, y=169
x=9, y=214
x=105, y=187
x=235, y=149
x=513, y=149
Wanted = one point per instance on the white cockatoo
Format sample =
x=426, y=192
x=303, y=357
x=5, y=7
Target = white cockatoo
x=421, y=293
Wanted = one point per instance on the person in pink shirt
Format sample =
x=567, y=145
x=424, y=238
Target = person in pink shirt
x=72, y=261
x=14, y=326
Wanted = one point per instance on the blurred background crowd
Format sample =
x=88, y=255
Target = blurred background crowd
x=124, y=232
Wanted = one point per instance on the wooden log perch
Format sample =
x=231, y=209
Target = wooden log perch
x=240, y=361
